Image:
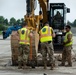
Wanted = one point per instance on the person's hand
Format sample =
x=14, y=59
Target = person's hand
x=53, y=34
x=64, y=43
x=31, y=34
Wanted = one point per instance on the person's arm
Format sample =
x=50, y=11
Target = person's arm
x=30, y=34
x=53, y=34
x=17, y=35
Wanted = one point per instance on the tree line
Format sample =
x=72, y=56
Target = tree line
x=4, y=23
x=73, y=24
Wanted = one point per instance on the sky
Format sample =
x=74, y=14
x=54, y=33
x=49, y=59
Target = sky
x=17, y=8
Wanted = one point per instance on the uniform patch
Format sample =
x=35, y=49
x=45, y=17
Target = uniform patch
x=22, y=31
x=44, y=30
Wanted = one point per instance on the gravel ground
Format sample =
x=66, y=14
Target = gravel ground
x=6, y=69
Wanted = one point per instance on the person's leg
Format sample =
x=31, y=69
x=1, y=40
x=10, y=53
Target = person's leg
x=44, y=54
x=20, y=57
x=69, y=58
x=51, y=55
x=63, y=56
x=25, y=55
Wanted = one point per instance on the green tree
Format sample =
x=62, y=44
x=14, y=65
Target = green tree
x=74, y=23
x=1, y=19
x=12, y=21
x=6, y=21
x=69, y=23
x=18, y=21
x=2, y=27
x=22, y=20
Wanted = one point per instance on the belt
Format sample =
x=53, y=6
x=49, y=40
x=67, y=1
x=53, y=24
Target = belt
x=49, y=41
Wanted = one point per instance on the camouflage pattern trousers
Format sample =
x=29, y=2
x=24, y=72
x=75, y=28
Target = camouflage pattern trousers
x=47, y=48
x=66, y=55
x=23, y=53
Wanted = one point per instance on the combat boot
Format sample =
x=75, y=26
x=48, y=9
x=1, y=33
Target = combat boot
x=69, y=65
x=19, y=65
x=45, y=66
x=24, y=65
x=62, y=64
x=52, y=67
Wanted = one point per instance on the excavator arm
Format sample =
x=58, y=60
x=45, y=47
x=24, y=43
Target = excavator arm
x=33, y=20
x=44, y=6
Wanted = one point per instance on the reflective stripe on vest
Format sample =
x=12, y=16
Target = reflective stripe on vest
x=65, y=39
x=26, y=41
x=24, y=37
x=46, y=36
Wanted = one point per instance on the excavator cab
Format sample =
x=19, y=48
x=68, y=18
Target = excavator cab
x=57, y=19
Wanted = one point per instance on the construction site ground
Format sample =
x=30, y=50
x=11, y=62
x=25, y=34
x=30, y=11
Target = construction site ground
x=7, y=69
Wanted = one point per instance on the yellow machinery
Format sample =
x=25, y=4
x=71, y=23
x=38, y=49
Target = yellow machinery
x=30, y=17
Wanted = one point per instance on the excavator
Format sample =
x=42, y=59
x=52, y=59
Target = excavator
x=47, y=13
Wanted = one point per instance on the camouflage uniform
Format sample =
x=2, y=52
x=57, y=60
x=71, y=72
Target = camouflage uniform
x=58, y=15
x=47, y=48
x=23, y=53
x=66, y=55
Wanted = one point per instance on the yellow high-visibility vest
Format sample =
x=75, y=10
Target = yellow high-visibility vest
x=24, y=39
x=65, y=39
x=46, y=34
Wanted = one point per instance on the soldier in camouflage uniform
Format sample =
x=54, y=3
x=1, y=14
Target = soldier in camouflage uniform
x=24, y=43
x=46, y=35
x=68, y=41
